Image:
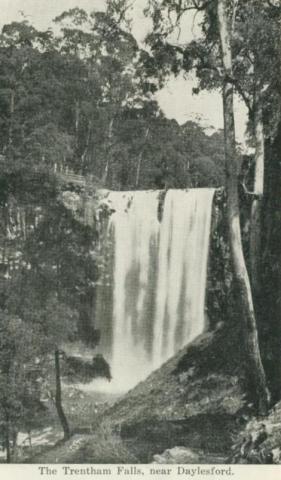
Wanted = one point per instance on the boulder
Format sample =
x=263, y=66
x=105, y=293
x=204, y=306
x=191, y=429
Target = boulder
x=178, y=455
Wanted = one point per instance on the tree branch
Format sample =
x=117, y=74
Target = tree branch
x=246, y=98
x=180, y=11
x=272, y=5
x=248, y=192
x=120, y=11
x=201, y=7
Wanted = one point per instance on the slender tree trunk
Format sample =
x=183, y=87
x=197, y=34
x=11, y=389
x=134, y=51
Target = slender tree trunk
x=15, y=444
x=29, y=439
x=255, y=233
x=255, y=368
x=58, y=398
x=140, y=159
x=108, y=151
x=83, y=156
x=77, y=122
x=7, y=441
x=12, y=111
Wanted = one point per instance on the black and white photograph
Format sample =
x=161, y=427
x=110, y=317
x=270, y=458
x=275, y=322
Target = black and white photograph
x=140, y=236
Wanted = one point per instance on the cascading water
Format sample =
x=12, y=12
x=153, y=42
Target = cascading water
x=159, y=270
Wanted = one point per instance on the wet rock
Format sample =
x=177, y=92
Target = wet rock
x=178, y=455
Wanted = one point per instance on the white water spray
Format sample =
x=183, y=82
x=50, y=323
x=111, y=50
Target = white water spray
x=159, y=278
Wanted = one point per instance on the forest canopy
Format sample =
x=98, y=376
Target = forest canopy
x=83, y=100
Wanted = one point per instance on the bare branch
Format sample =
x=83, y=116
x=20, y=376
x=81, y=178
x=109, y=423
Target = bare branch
x=193, y=21
x=121, y=11
x=248, y=192
x=239, y=89
x=251, y=60
x=200, y=7
x=180, y=11
x=245, y=97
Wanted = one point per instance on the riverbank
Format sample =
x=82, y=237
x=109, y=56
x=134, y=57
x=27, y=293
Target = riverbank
x=196, y=400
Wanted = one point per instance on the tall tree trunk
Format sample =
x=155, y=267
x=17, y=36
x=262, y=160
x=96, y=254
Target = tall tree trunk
x=7, y=441
x=108, y=152
x=12, y=111
x=83, y=156
x=140, y=159
x=77, y=122
x=58, y=398
x=255, y=368
x=270, y=305
x=255, y=232
x=15, y=444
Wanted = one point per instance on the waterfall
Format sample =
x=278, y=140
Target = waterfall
x=159, y=271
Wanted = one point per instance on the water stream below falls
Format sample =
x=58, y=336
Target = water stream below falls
x=152, y=294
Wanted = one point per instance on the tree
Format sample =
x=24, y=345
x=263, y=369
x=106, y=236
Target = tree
x=108, y=83
x=255, y=47
x=19, y=379
x=240, y=269
x=256, y=67
x=56, y=277
x=219, y=60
